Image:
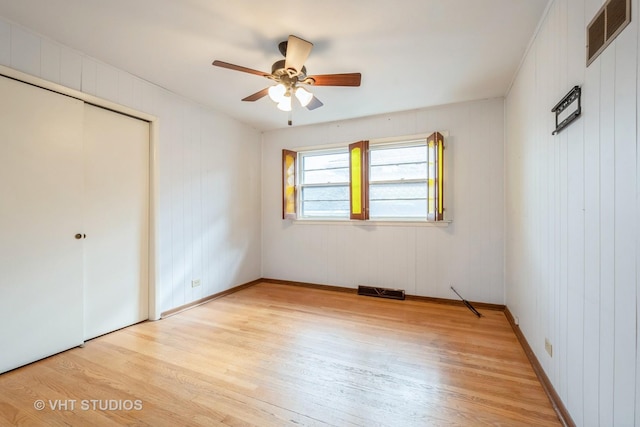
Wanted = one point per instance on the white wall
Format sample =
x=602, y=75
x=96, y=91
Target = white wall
x=208, y=169
x=572, y=215
x=422, y=260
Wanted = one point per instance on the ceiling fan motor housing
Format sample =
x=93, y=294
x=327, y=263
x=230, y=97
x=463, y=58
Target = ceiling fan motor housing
x=278, y=69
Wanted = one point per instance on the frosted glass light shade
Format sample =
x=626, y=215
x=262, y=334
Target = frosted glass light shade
x=304, y=96
x=285, y=104
x=276, y=93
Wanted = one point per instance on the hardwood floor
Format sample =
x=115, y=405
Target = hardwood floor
x=276, y=355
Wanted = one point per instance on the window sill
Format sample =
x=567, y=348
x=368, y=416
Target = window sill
x=373, y=223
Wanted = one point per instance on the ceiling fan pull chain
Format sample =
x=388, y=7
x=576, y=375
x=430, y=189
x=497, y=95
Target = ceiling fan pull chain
x=290, y=117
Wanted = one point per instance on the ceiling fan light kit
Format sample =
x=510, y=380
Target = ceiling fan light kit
x=290, y=76
x=304, y=96
x=285, y=104
x=276, y=93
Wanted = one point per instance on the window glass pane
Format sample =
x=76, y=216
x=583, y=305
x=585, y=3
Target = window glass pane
x=325, y=161
x=325, y=200
x=398, y=199
x=326, y=176
x=396, y=191
x=325, y=168
x=398, y=172
x=326, y=208
x=333, y=192
x=384, y=156
x=398, y=208
x=390, y=164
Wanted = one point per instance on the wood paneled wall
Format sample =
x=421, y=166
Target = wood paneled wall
x=422, y=260
x=572, y=215
x=208, y=170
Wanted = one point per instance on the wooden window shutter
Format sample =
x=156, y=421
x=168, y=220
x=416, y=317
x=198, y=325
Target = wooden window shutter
x=289, y=196
x=359, y=180
x=435, y=187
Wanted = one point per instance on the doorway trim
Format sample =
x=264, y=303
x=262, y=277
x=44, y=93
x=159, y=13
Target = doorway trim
x=153, y=121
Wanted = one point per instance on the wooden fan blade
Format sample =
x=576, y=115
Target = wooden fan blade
x=298, y=51
x=350, y=79
x=239, y=68
x=260, y=94
x=315, y=103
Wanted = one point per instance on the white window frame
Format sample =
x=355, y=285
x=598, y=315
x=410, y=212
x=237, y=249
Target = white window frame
x=301, y=185
x=400, y=143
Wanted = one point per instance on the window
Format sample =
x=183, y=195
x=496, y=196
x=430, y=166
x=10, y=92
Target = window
x=399, y=180
x=324, y=184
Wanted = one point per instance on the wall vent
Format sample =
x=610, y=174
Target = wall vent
x=610, y=20
x=381, y=292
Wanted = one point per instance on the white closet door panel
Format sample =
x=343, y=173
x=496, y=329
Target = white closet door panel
x=40, y=213
x=116, y=221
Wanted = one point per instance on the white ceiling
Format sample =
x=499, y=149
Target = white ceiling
x=411, y=53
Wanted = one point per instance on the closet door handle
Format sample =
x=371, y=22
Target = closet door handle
x=81, y=236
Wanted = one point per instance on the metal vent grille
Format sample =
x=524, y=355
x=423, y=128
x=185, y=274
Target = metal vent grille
x=616, y=17
x=596, y=36
x=610, y=20
x=381, y=292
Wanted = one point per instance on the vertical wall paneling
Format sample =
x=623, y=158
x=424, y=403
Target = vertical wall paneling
x=137, y=86
x=126, y=93
x=591, y=316
x=607, y=230
x=544, y=186
x=50, y=61
x=179, y=188
x=625, y=222
x=562, y=145
x=518, y=155
x=71, y=69
x=89, y=76
x=577, y=259
x=25, y=51
x=205, y=230
x=149, y=97
x=188, y=201
x=106, y=82
x=198, y=229
x=575, y=211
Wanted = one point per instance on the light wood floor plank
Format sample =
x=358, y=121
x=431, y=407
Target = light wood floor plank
x=276, y=355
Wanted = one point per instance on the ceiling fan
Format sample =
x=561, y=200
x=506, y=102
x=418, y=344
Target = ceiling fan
x=290, y=76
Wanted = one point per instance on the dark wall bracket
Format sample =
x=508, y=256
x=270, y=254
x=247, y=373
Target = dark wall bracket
x=573, y=109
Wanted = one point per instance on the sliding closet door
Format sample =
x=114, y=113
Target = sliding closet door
x=116, y=221
x=40, y=214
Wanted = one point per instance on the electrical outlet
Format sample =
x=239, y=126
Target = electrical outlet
x=195, y=283
x=548, y=347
